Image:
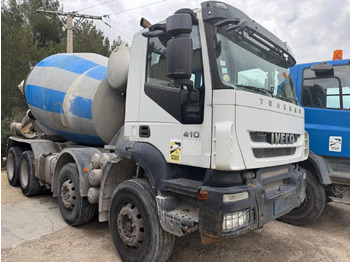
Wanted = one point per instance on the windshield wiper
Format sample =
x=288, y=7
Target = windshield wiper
x=228, y=21
x=259, y=89
x=287, y=99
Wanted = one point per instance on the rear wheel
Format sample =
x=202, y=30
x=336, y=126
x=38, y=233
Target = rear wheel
x=313, y=205
x=29, y=182
x=134, y=223
x=75, y=209
x=12, y=165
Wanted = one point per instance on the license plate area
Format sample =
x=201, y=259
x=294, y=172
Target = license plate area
x=281, y=204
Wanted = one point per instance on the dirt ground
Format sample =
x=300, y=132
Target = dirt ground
x=33, y=230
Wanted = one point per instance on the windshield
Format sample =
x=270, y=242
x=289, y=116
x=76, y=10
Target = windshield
x=247, y=64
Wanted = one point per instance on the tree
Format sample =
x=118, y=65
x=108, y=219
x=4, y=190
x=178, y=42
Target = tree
x=17, y=50
x=87, y=38
x=46, y=30
x=118, y=42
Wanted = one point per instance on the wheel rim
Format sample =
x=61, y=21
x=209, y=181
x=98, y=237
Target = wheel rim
x=68, y=194
x=130, y=225
x=24, y=174
x=10, y=167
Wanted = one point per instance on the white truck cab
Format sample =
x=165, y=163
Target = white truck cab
x=231, y=121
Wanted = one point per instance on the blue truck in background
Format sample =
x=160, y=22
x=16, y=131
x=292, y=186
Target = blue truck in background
x=323, y=89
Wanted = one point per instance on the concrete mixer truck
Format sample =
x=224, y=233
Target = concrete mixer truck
x=195, y=128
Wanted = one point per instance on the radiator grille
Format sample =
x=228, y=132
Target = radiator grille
x=273, y=152
x=272, y=138
x=258, y=137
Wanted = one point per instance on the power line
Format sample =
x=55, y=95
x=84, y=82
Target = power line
x=136, y=8
x=121, y=33
x=70, y=16
x=109, y=25
x=95, y=5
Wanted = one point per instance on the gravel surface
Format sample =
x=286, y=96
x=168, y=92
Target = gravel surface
x=32, y=230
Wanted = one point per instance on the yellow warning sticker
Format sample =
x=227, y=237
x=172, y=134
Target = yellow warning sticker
x=175, y=150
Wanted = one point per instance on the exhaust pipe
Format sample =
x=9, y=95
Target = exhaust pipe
x=145, y=23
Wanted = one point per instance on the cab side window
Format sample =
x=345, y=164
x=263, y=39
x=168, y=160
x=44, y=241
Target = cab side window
x=156, y=66
x=327, y=92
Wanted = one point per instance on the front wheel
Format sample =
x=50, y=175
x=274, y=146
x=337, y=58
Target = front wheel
x=134, y=223
x=312, y=207
x=75, y=209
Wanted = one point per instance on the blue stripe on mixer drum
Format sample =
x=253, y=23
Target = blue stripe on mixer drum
x=99, y=73
x=52, y=101
x=76, y=65
x=80, y=106
x=37, y=96
x=81, y=139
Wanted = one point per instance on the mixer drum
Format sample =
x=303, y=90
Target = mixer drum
x=70, y=94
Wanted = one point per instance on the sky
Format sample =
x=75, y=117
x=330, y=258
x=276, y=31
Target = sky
x=312, y=28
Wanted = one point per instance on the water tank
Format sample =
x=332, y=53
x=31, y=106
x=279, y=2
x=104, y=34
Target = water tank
x=70, y=94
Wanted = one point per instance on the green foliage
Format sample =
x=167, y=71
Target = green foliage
x=16, y=51
x=28, y=36
x=46, y=30
x=118, y=42
x=88, y=39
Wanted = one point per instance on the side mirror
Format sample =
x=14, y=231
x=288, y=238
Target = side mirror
x=179, y=48
x=323, y=69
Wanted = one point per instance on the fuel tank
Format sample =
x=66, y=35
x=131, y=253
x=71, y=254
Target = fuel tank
x=70, y=94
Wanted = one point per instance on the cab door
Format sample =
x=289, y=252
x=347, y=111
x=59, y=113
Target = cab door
x=180, y=130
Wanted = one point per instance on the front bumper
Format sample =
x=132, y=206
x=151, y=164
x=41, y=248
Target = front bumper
x=272, y=193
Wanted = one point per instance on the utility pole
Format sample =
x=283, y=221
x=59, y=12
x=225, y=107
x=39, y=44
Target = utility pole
x=69, y=33
x=70, y=16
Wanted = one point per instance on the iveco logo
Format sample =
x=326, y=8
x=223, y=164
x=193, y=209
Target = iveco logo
x=281, y=138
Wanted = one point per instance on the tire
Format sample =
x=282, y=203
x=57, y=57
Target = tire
x=45, y=190
x=313, y=205
x=75, y=210
x=12, y=165
x=328, y=199
x=141, y=237
x=29, y=182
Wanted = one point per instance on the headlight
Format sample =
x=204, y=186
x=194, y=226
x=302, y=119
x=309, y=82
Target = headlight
x=235, y=220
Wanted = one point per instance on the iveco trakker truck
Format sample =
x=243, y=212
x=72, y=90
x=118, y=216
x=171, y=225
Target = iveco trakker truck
x=323, y=89
x=197, y=127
